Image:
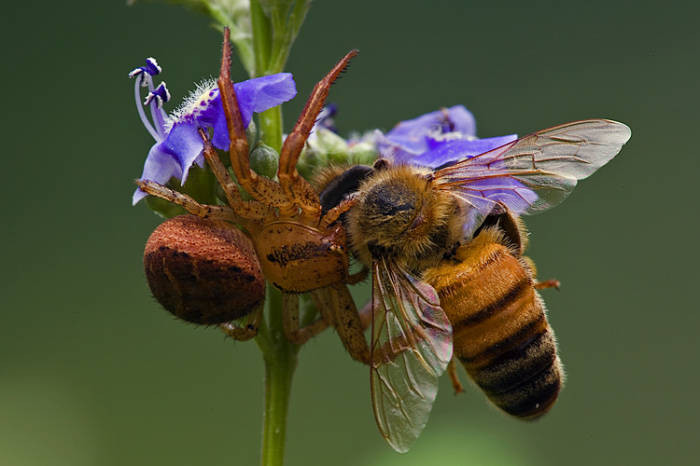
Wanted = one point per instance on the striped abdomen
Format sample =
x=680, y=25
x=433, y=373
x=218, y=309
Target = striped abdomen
x=500, y=331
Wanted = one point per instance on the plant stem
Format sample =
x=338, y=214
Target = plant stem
x=280, y=358
x=279, y=355
x=262, y=37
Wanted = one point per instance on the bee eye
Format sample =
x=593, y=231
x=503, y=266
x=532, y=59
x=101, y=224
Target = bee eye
x=390, y=200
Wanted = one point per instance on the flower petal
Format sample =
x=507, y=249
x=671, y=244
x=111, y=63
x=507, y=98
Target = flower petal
x=452, y=151
x=411, y=134
x=260, y=94
x=182, y=145
x=185, y=144
x=160, y=166
x=254, y=95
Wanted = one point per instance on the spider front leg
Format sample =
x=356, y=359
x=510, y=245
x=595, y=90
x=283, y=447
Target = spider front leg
x=248, y=210
x=183, y=200
x=333, y=214
x=260, y=188
x=296, y=188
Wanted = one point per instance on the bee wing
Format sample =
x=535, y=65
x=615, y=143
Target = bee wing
x=536, y=172
x=411, y=347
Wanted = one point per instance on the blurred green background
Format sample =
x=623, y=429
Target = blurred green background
x=93, y=372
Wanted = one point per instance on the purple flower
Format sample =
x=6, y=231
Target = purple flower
x=178, y=144
x=437, y=138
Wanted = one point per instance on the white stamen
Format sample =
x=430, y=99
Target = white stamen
x=142, y=113
x=157, y=113
x=152, y=61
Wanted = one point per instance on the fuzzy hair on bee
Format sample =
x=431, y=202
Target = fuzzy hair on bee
x=401, y=215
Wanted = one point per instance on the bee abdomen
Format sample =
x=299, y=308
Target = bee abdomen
x=525, y=380
x=500, y=331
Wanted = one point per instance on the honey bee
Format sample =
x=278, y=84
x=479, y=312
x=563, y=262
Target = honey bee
x=445, y=250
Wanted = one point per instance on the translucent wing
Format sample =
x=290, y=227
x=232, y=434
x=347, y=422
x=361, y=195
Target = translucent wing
x=411, y=347
x=535, y=172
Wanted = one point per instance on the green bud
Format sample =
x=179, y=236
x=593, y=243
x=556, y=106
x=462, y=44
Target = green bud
x=264, y=160
x=362, y=153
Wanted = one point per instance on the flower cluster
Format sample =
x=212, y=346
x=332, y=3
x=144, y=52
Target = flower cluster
x=177, y=142
x=432, y=140
x=437, y=138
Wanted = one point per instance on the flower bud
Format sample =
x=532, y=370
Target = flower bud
x=264, y=160
x=203, y=271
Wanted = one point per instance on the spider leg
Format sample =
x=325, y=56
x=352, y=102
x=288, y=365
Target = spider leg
x=347, y=321
x=249, y=210
x=333, y=214
x=296, y=188
x=260, y=188
x=248, y=330
x=359, y=276
x=290, y=321
x=213, y=212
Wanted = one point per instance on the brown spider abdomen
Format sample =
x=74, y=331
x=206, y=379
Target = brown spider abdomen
x=297, y=258
x=203, y=271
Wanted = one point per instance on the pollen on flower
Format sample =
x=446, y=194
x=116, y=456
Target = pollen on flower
x=197, y=101
x=160, y=94
x=152, y=68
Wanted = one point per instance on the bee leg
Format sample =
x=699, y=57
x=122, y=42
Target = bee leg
x=290, y=321
x=547, y=284
x=532, y=269
x=355, y=278
x=454, y=376
x=248, y=330
x=347, y=322
x=260, y=188
x=296, y=188
x=248, y=210
x=183, y=200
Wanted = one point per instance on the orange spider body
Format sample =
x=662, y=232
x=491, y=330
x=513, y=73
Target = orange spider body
x=298, y=258
x=300, y=247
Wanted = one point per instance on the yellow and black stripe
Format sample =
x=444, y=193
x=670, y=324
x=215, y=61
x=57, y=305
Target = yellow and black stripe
x=500, y=331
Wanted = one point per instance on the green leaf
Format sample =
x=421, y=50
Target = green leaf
x=232, y=13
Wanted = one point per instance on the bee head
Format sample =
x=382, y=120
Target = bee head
x=395, y=213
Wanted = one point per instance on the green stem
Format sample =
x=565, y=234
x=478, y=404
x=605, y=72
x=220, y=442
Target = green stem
x=280, y=358
x=270, y=124
x=262, y=37
x=279, y=355
x=270, y=121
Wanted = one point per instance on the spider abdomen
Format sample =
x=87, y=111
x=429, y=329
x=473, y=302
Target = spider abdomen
x=203, y=271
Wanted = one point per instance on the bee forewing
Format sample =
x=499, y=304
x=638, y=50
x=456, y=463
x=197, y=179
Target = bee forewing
x=411, y=347
x=537, y=171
